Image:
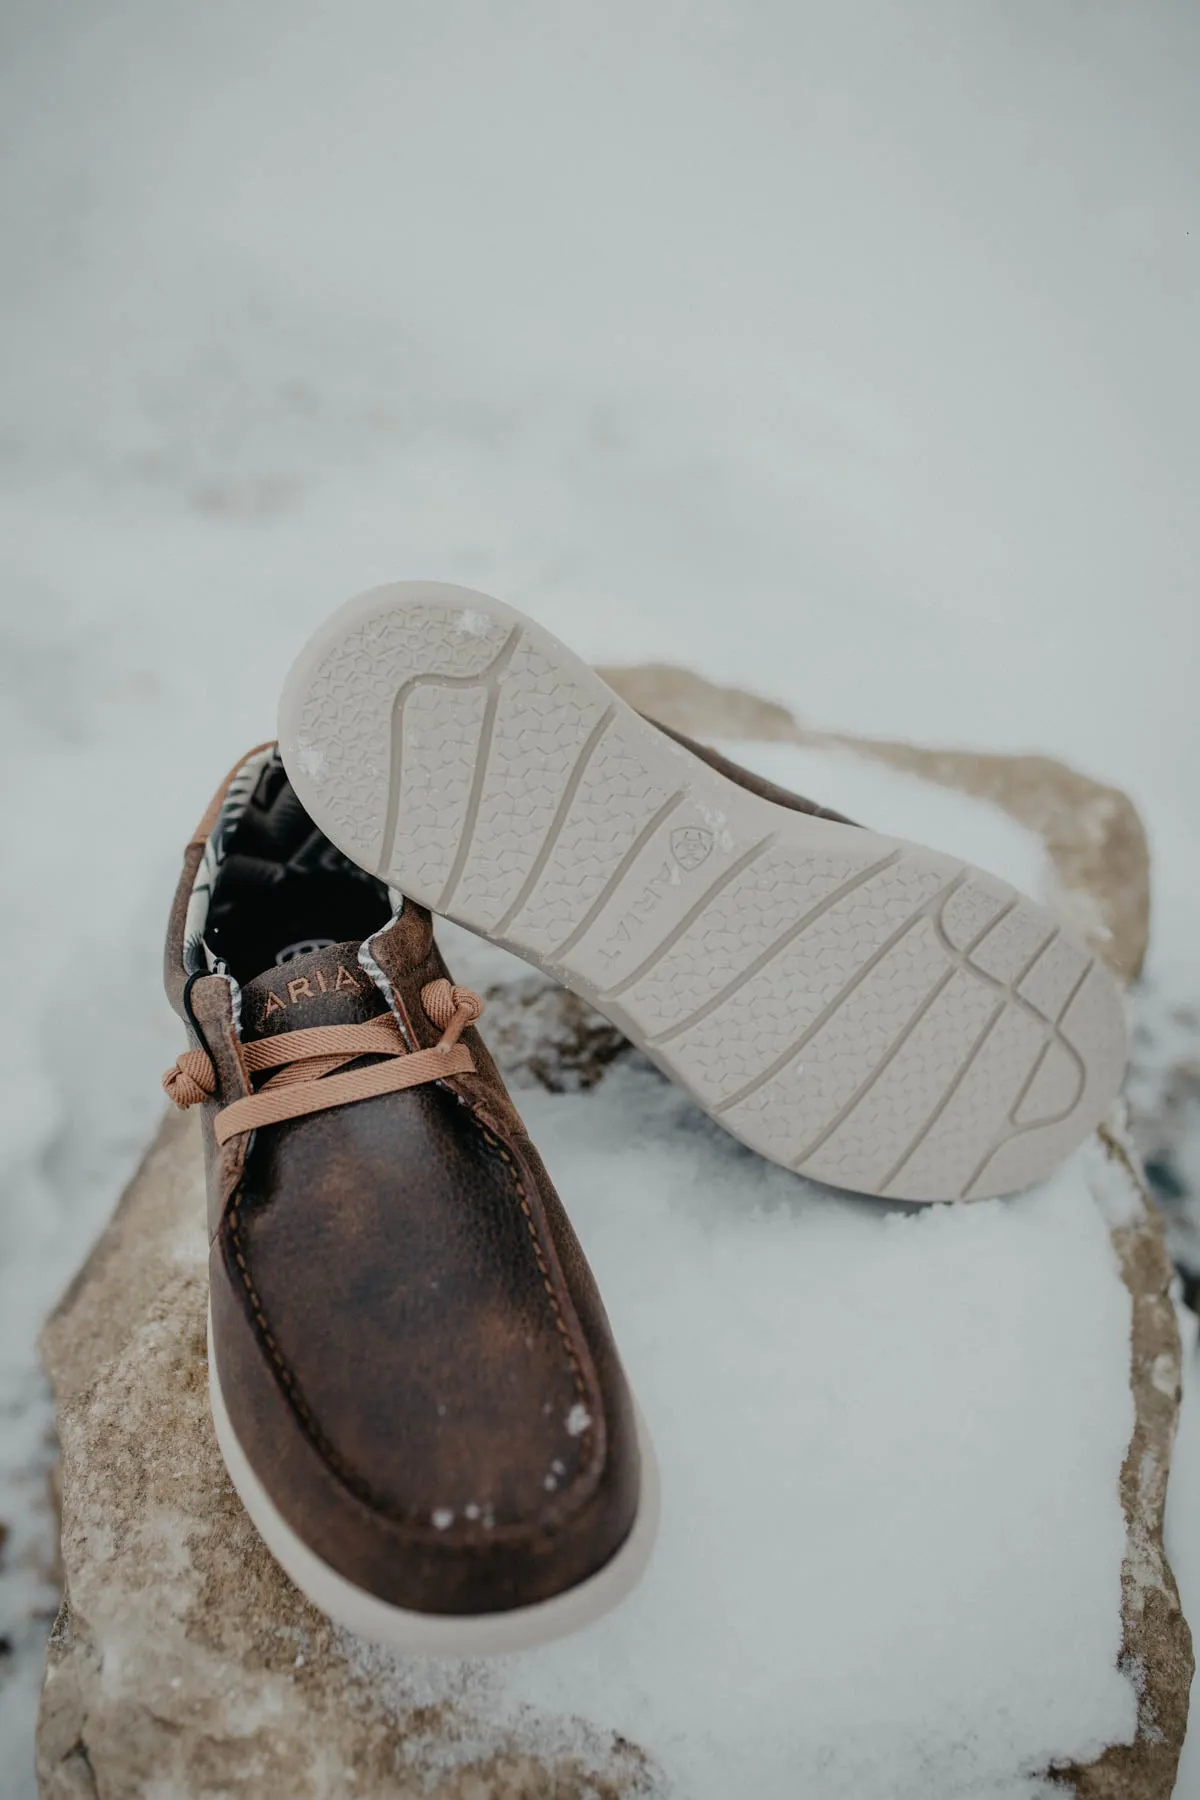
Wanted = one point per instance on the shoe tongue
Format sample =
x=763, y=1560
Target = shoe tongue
x=322, y=987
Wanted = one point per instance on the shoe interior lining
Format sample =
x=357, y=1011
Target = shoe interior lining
x=281, y=888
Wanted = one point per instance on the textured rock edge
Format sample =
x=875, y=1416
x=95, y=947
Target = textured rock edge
x=1156, y=1652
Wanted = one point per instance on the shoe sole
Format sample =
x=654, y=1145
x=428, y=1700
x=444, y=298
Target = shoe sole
x=865, y=1011
x=437, y=1634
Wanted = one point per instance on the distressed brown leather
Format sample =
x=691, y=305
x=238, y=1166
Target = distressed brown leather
x=408, y=1338
x=756, y=784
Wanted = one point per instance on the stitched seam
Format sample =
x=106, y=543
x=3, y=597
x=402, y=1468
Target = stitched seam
x=493, y=1142
x=352, y=1481
x=312, y=1430
x=361, y=1489
x=555, y=1305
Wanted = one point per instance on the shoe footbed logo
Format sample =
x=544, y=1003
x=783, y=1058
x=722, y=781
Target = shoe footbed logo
x=302, y=988
x=304, y=947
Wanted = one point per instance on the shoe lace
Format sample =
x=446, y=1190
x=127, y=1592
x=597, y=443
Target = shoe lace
x=303, y=1065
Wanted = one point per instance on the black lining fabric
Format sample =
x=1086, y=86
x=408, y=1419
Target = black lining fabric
x=282, y=888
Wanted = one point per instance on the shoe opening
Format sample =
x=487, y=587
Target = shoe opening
x=278, y=888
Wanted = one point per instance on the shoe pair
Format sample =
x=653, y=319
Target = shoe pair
x=413, y=1380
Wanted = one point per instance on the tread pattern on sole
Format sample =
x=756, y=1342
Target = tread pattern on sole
x=872, y=1014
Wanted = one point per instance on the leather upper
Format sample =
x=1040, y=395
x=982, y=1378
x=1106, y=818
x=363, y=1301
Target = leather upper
x=408, y=1339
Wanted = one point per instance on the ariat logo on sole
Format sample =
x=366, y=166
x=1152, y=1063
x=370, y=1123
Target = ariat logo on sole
x=302, y=988
x=691, y=845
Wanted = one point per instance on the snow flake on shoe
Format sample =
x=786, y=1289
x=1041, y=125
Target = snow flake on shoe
x=443, y=1517
x=558, y=1469
x=311, y=759
x=578, y=1419
x=473, y=622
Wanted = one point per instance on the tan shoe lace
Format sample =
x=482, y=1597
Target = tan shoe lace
x=305, y=1064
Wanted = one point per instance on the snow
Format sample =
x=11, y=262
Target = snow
x=846, y=354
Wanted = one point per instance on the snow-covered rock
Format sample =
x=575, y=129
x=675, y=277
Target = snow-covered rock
x=914, y=1465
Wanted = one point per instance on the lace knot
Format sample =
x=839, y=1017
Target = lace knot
x=190, y=1079
x=451, y=1007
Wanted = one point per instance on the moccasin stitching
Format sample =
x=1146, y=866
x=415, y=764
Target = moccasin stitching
x=361, y=1489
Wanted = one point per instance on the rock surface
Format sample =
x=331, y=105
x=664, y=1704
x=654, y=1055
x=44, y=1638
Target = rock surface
x=1157, y=1642
x=182, y=1662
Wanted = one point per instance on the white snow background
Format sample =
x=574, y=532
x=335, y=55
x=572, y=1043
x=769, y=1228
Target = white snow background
x=847, y=354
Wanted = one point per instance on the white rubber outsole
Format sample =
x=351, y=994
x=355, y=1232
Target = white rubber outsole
x=870, y=1013
x=435, y=1634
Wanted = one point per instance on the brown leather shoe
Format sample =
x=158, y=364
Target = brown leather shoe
x=413, y=1380
x=873, y=1014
